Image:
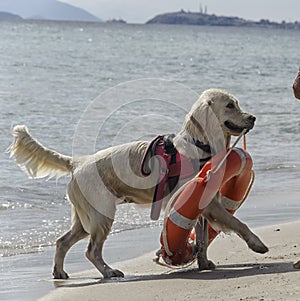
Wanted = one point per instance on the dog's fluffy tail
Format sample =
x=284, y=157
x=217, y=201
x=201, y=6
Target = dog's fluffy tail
x=37, y=160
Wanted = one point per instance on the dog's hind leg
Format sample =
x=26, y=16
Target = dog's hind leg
x=64, y=243
x=99, y=232
x=201, y=230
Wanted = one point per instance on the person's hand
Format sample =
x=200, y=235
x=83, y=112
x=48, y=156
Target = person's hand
x=296, y=85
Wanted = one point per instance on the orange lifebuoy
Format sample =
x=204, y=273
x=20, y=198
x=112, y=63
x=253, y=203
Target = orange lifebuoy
x=234, y=193
x=231, y=178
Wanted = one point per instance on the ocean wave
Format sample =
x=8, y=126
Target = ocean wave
x=281, y=166
x=7, y=250
x=10, y=205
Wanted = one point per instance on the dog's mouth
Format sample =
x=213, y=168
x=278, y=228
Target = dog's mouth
x=235, y=128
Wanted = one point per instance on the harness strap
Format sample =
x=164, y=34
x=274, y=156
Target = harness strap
x=172, y=167
x=150, y=151
x=164, y=162
x=205, y=147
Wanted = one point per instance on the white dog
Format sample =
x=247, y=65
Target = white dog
x=111, y=176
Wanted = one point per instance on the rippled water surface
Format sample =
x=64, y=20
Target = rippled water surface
x=52, y=72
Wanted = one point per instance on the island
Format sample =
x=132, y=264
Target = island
x=9, y=16
x=200, y=18
x=47, y=10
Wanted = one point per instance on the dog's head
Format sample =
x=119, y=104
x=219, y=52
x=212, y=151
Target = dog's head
x=215, y=117
x=225, y=106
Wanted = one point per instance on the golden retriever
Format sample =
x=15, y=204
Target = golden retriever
x=111, y=176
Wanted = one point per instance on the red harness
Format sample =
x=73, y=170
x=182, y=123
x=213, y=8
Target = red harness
x=173, y=166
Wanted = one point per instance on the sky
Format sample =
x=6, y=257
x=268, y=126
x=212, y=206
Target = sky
x=139, y=11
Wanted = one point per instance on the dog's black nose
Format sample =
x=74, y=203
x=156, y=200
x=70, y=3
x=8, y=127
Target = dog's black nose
x=252, y=118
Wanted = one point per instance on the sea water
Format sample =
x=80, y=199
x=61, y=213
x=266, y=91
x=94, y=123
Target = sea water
x=80, y=87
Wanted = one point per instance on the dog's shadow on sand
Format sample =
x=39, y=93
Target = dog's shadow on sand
x=221, y=272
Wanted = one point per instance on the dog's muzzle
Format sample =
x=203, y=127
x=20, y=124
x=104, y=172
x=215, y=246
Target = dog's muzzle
x=249, y=124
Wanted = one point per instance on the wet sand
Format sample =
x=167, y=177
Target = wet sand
x=28, y=277
x=240, y=274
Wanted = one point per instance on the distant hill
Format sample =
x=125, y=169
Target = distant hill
x=46, y=10
x=195, y=18
x=8, y=16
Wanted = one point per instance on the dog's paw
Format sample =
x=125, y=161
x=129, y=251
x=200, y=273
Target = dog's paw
x=257, y=245
x=60, y=275
x=113, y=273
x=204, y=265
x=262, y=249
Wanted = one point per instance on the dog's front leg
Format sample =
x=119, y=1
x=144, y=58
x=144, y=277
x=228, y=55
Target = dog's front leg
x=220, y=218
x=201, y=230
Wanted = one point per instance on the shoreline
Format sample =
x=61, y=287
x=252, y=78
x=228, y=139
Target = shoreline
x=240, y=274
x=28, y=277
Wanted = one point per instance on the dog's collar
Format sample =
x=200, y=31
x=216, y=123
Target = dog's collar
x=205, y=147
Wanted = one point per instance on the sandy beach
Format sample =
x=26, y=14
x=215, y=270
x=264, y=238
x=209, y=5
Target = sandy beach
x=240, y=274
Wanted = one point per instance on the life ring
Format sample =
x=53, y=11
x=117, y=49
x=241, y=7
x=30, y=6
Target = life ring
x=233, y=199
x=232, y=177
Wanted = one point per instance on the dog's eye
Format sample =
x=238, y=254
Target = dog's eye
x=230, y=105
